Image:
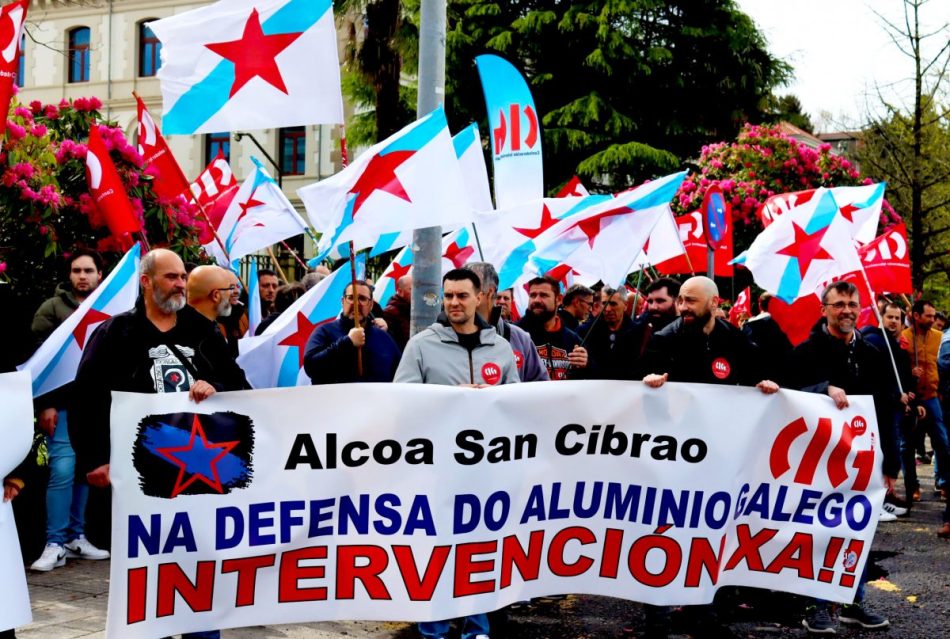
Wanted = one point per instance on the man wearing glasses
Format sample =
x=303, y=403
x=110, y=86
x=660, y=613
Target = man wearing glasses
x=576, y=305
x=836, y=360
x=333, y=348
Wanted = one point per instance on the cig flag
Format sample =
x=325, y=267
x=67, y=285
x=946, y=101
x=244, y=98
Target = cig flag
x=107, y=189
x=12, y=17
x=249, y=64
x=515, y=132
x=54, y=364
x=152, y=146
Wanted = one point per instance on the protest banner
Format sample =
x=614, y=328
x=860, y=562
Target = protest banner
x=430, y=502
x=16, y=432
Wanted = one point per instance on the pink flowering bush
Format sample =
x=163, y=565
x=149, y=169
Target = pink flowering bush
x=762, y=162
x=45, y=207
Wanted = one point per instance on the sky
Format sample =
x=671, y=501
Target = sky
x=841, y=53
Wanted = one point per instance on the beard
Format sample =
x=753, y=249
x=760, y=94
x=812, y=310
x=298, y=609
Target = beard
x=541, y=313
x=695, y=322
x=223, y=309
x=170, y=303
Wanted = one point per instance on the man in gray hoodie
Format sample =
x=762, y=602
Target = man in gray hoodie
x=460, y=349
x=530, y=366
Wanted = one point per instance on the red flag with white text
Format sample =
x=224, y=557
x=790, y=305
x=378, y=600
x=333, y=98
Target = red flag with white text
x=107, y=189
x=171, y=181
x=694, y=241
x=886, y=261
x=214, y=189
x=742, y=306
x=12, y=17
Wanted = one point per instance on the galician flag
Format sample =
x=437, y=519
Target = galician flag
x=605, y=240
x=259, y=215
x=275, y=357
x=253, y=300
x=54, y=364
x=807, y=245
x=410, y=180
x=859, y=205
x=249, y=64
x=458, y=248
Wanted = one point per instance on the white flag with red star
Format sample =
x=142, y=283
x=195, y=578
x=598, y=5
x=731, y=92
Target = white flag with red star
x=249, y=64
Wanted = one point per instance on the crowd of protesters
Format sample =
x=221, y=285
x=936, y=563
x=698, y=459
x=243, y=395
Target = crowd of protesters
x=182, y=336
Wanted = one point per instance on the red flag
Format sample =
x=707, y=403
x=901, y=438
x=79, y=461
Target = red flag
x=12, y=18
x=886, y=261
x=743, y=305
x=214, y=189
x=154, y=149
x=796, y=319
x=573, y=188
x=694, y=241
x=107, y=189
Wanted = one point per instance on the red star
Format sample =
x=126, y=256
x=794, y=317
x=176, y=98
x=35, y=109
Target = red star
x=806, y=248
x=458, y=255
x=250, y=204
x=91, y=317
x=299, y=339
x=398, y=271
x=255, y=54
x=592, y=225
x=848, y=210
x=561, y=271
x=547, y=221
x=380, y=175
x=213, y=480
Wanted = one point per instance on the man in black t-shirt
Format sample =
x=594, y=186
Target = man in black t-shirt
x=559, y=347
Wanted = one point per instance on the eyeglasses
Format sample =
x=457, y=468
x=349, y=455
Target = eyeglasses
x=230, y=289
x=362, y=298
x=840, y=306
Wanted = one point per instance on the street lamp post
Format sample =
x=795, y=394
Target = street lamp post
x=240, y=135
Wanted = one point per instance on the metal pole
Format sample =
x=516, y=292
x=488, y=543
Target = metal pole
x=427, y=243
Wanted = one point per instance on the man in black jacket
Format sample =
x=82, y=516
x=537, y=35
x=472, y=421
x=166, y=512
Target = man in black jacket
x=698, y=347
x=613, y=339
x=774, y=346
x=330, y=356
x=837, y=361
x=155, y=348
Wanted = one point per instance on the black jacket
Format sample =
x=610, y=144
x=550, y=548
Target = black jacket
x=617, y=353
x=774, y=346
x=858, y=368
x=330, y=357
x=123, y=355
x=725, y=356
x=901, y=357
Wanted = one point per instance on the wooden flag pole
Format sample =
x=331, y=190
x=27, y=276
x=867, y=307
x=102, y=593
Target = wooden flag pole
x=344, y=160
x=280, y=269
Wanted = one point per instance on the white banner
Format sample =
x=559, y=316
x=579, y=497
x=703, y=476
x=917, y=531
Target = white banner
x=418, y=502
x=16, y=433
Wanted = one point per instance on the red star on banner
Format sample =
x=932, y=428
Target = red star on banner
x=458, y=255
x=299, y=339
x=185, y=456
x=848, y=210
x=255, y=54
x=591, y=226
x=91, y=317
x=547, y=221
x=398, y=270
x=806, y=248
x=380, y=175
x=250, y=204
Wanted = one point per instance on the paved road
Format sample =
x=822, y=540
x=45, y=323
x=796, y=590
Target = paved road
x=911, y=572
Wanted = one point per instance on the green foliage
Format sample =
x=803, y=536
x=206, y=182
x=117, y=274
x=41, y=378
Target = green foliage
x=46, y=210
x=887, y=154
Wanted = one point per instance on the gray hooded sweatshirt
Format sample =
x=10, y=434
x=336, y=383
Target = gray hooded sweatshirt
x=435, y=356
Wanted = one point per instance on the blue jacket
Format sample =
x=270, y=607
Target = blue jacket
x=330, y=357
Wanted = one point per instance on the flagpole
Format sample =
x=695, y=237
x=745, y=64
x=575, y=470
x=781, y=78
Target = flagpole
x=280, y=269
x=880, y=323
x=478, y=243
x=295, y=256
x=204, y=214
x=345, y=161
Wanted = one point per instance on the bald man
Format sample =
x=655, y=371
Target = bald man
x=699, y=347
x=160, y=346
x=396, y=312
x=209, y=292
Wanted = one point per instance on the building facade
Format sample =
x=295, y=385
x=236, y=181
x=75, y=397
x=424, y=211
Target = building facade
x=104, y=48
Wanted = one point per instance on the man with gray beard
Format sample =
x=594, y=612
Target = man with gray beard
x=157, y=347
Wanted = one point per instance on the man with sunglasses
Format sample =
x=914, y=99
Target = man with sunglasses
x=333, y=348
x=836, y=360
